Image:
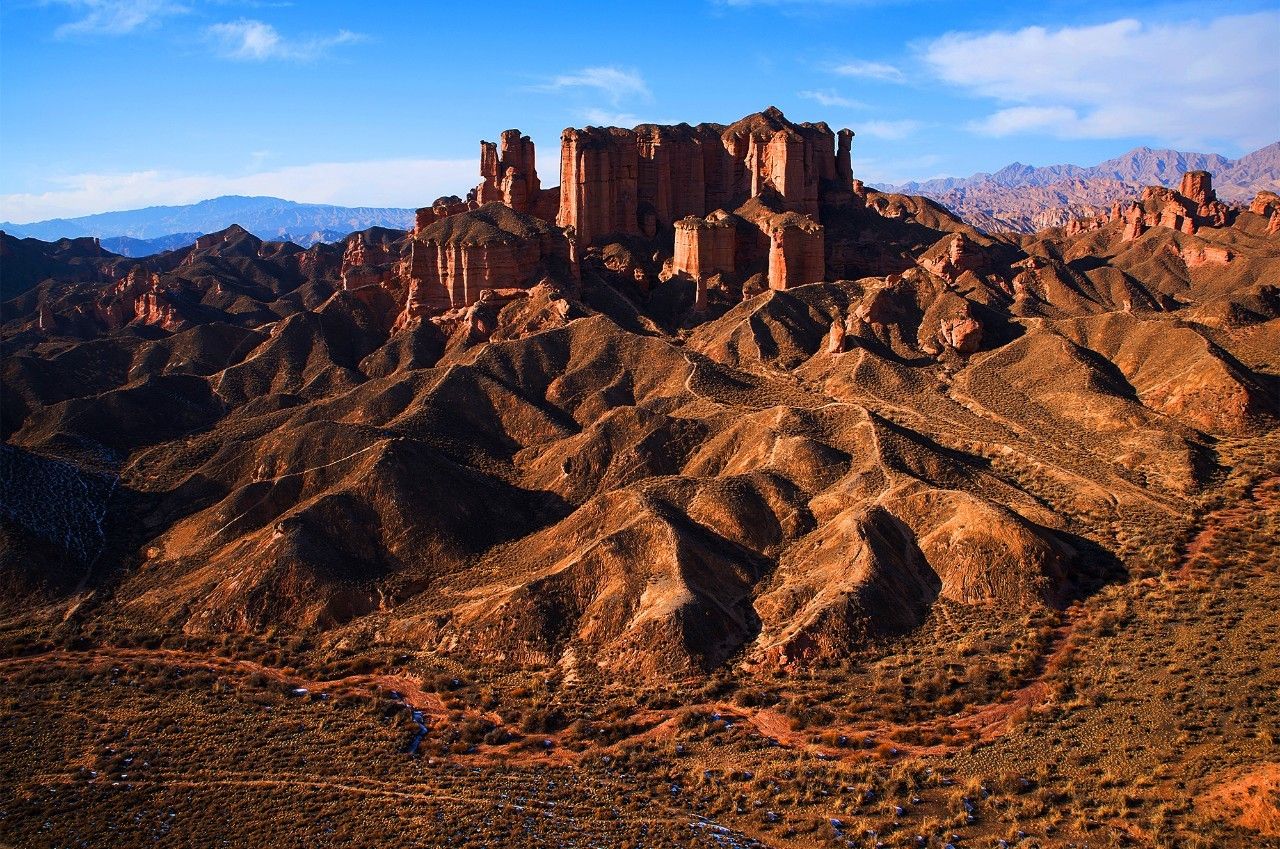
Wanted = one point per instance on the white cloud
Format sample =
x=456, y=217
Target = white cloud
x=1182, y=83
x=828, y=97
x=114, y=17
x=1023, y=119
x=869, y=70
x=605, y=118
x=256, y=41
x=382, y=182
x=888, y=129
x=617, y=83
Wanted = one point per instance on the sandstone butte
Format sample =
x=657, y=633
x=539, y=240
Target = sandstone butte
x=738, y=201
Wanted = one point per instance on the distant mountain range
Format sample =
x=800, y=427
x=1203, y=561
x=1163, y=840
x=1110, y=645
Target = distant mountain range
x=1018, y=197
x=1024, y=198
x=156, y=228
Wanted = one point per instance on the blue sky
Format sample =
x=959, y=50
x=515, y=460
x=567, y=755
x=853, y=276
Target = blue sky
x=114, y=104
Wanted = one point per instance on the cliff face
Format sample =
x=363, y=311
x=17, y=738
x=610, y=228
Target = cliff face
x=704, y=246
x=452, y=261
x=617, y=181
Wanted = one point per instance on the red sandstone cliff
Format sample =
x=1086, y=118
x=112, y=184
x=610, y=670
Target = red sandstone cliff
x=494, y=247
x=618, y=181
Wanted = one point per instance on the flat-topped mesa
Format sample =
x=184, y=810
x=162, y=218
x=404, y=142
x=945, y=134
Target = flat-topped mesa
x=619, y=181
x=704, y=246
x=451, y=262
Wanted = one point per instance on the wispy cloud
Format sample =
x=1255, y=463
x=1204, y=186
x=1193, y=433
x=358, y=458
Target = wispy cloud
x=617, y=83
x=248, y=40
x=869, y=71
x=381, y=182
x=828, y=97
x=114, y=17
x=892, y=130
x=606, y=118
x=1184, y=83
x=894, y=171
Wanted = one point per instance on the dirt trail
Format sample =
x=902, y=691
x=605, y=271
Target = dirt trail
x=983, y=722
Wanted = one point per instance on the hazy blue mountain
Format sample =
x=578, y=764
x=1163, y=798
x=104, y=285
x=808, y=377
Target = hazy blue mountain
x=265, y=217
x=129, y=246
x=1235, y=180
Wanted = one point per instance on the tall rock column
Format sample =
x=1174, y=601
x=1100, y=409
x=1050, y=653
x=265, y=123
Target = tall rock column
x=598, y=182
x=797, y=245
x=509, y=173
x=844, y=160
x=704, y=246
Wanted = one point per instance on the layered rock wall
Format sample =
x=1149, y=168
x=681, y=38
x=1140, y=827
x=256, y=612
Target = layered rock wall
x=453, y=261
x=796, y=252
x=617, y=181
x=704, y=246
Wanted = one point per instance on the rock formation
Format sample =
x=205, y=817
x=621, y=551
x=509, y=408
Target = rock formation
x=796, y=255
x=618, y=181
x=1267, y=204
x=368, y=258
x=1193, y=204
x=494, y=247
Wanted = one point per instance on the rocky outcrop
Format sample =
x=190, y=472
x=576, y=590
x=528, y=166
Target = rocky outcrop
x=369, y=258
x=641, y=181
x=1026, y=199
x=704, y=247
x=952, y=256
x=441, y=209
x=1267, y=204
x=962, y=334
x=1192, y=205
x=796, y=251
x=494, y=247
x=509, y=173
